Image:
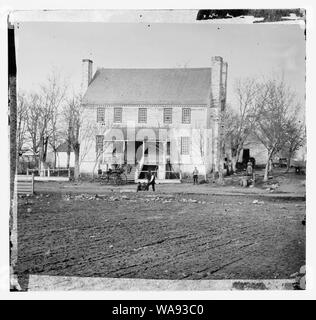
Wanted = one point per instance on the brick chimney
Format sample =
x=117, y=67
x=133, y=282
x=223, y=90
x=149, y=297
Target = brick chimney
x=86, y=74
x=217, y=67
x=218, y=102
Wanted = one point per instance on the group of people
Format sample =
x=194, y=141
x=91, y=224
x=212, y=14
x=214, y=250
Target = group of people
x=151, y=178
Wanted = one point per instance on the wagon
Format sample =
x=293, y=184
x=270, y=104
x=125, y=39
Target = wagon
x=115, y=176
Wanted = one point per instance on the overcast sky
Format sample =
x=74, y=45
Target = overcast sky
x=250, y=50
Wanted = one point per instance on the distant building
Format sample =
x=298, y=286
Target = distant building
x=164, y=120
x=253, y=148
x=61, y=156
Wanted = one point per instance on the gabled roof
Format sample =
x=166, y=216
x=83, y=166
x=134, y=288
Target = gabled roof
x=149, y=86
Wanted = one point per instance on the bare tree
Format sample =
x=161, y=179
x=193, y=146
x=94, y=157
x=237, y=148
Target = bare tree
x=201, y=143
x=33, y=115
x=67, y=125
x=238, y=123
x=68, y=140
x=295, y=137
x=56, y=137
x=274, y=100
x=21, y=123
x=42, y=118
x=73, y=112
x=52, y=94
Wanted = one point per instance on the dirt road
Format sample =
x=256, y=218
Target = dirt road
x=160, y=236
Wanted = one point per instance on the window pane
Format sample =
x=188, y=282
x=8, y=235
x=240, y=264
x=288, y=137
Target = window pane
x=117, y=115
x=185, y=145
x=142, y=115
x=186, y=115
x=100, y=114
x=99, y=143
x=167, y=115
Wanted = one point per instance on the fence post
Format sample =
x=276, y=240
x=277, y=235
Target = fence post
x=48, y=172
x=69, y=173
x=27, y=171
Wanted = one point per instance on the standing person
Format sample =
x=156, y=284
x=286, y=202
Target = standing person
x=151, y=180
x=195, y=175
x=249, y=169
x=229, y=167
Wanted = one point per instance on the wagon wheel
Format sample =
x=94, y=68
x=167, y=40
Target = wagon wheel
x=120, y=179
x=123, y=178
x=112, y=179
x=117, y=179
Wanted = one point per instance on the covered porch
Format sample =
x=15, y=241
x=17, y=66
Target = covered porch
x=138, y=158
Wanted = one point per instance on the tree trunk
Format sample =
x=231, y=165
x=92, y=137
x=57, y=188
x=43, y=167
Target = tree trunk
x=43, y=154
x=97, y=163
x=45, y=149
x=270, y=165
x=234, y=163
x=42, y=168
x=288, y=163
x=235, y=157
x=55, y=159
x=220, y=173
x=68, y=160
x=68, y=153
x=77, y=168
x=267, y=168
x=221, y=165
x=266, y=172
x=40, y=162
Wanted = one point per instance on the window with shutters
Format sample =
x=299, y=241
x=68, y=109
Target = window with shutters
x=142, y=115
x=99, y=144
x=167, y=115
x=117, y=115
x=100, y=114
x=185, y=145
x=186, y=115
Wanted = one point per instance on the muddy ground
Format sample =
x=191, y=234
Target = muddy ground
x=160, y=236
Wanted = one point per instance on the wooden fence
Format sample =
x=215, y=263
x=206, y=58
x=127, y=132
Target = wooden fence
x=24, y=184
x=59, y=172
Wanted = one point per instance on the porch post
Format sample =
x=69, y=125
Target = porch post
x=162, y=164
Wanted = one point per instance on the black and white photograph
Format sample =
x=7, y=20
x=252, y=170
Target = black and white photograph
x=157, y=150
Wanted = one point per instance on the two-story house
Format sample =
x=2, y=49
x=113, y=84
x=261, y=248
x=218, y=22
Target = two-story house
x=164, y=120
